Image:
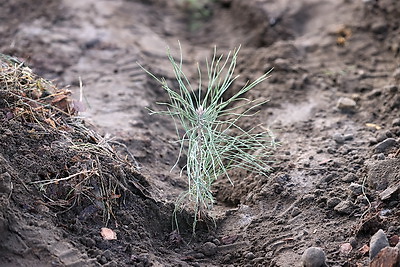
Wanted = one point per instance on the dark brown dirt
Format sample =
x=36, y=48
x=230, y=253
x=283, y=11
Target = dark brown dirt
x=332, y=164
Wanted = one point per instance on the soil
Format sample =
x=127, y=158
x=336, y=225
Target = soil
x=334, y=107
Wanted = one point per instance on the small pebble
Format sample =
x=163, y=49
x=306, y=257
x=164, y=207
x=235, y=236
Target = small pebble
x=209, y=249
x=250, y=255
x=346, y=104
x=313, y=257
x=355, y=189
x=377, y=243
x=381, y=137
x=385, y=145
x=332, y=202
x=353, y=242
x=339, y=138
x=330, y=150
x=345, y=207
x=348, y=137
x=379, y=27
x=350, y=177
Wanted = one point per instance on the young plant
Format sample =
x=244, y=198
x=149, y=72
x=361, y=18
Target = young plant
x=213, y=141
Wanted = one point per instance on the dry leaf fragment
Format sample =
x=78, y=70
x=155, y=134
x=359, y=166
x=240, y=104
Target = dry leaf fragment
x=373, y=125
x=108, y=234
x=115, y=196
x=50, y=122
x=364, y=250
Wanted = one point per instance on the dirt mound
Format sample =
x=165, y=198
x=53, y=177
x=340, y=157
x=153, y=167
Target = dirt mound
x=61, y=183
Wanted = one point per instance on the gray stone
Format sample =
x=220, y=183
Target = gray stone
x=353, y=242
x=344, y=207
x=333, y=202
x=379, y=27
x=339, y=138
x=380, y=156
x=381, y=137
x=313, y=257
x=388, y=192
x=348, y=137
x=249, y=255
x=346, y=104
x=209, y=249
x=377, y=243
x=355, y=189
x=385, y=145
x=350, y=177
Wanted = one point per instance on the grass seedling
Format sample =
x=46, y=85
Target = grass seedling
x=213, y=141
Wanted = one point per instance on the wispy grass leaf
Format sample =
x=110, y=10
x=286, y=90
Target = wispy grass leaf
x=213, y=141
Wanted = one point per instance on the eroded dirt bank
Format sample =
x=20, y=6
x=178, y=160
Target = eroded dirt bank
x=334, y=106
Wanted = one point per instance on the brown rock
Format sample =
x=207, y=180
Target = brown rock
x=388, y=257
x=394, y=240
